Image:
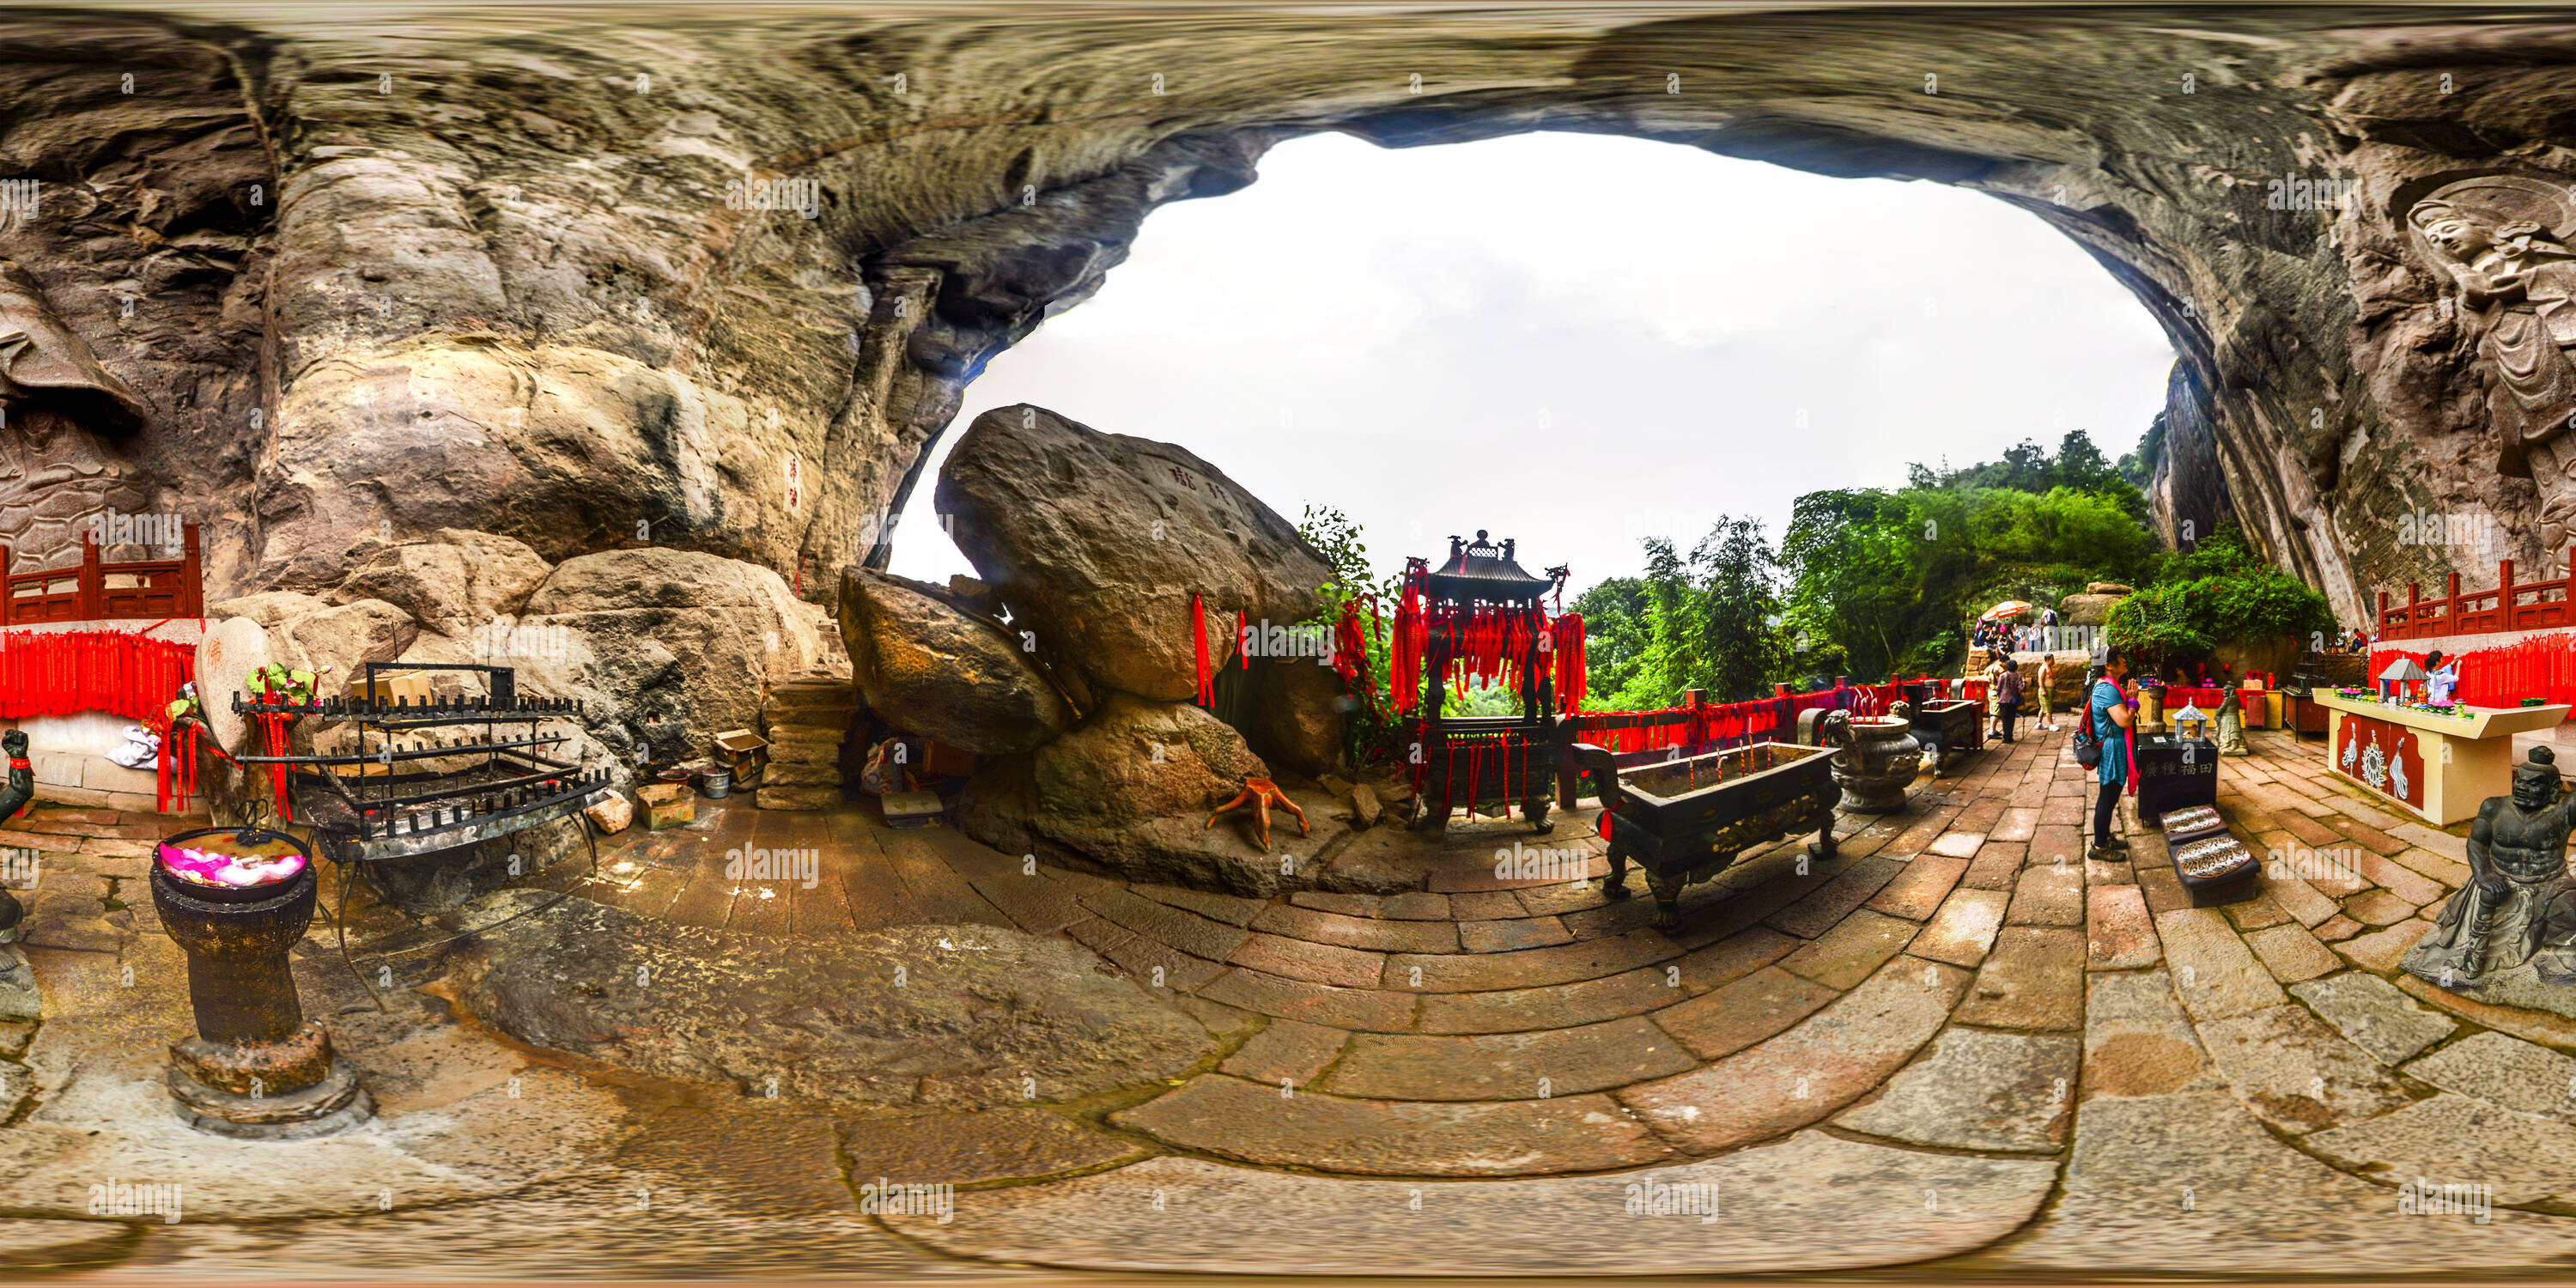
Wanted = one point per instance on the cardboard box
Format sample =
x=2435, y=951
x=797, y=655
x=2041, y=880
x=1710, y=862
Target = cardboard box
x=667, y=804
x=735, y=746
x=912, y=809
x=409, y=686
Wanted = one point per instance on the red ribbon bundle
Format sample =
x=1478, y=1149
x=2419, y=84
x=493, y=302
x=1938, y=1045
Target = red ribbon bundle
x=275, y=727
x=1411, y=641
x=1566, y=649
x=1199, y=645
x=1350, y=648
x=61, y=673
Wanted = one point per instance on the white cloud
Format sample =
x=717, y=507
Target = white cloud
x=1578, y=339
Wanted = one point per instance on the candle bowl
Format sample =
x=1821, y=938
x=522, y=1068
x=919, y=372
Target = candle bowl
x=262, y=863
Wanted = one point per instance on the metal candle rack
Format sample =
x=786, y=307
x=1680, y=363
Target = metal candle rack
x=392, y=813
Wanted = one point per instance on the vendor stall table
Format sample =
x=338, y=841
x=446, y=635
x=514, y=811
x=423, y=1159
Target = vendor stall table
x=2438, y=766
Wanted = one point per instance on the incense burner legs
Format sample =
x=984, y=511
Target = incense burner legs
x=257, y=1068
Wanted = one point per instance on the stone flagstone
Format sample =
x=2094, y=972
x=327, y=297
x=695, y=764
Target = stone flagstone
x=1979, y=1090
x=2453, y=1138
x=1255, y=1123
x=2506, y=1071
x=2190, y=1184
x=2376, y=1015
x=1810, y=1202
x=1820, y=1065
x=2298, y=1075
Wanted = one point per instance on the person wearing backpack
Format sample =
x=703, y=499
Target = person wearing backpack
x=2108, y=715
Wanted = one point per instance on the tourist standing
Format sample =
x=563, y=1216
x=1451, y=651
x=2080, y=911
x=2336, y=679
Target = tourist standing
x=2047, y=682
x=1993, y=675
x=2008, y=698
x=2441, y=679
x=2109, y=713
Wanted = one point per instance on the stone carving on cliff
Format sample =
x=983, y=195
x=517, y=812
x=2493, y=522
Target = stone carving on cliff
x=2503, y=242
x=55, y=396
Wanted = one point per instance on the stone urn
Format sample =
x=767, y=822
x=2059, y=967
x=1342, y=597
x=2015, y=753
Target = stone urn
x=1875, y=757
x=257, y=1068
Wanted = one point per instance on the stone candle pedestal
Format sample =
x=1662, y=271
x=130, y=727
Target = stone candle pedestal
x=257, y=1069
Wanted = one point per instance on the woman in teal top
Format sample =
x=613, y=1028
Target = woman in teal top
x=2108, y=714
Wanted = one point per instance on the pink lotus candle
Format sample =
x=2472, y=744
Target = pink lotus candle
x=206, y=867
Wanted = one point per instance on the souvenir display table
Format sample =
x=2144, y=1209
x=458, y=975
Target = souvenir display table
x=2438, y=766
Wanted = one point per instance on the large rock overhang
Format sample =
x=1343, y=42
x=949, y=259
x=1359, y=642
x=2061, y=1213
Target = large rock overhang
x=556, y=276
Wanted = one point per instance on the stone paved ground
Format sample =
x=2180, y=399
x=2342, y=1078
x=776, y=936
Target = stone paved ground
x=1959, y=1047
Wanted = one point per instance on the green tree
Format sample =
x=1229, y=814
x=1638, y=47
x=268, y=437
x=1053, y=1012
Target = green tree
x=1736, y=618
x=2217, y=592
x=1614, y=632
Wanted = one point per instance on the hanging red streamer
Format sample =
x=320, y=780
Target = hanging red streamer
x=1199, y=646
x=1566, y=647
x=62, y=673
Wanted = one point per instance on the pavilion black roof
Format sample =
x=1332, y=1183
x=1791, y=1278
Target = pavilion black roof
x=1482, y=570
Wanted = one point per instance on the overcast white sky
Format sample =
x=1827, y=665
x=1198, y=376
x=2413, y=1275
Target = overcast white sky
x=1578, y=340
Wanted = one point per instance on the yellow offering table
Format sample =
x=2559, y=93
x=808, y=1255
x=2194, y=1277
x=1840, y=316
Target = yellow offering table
x=2438, y=766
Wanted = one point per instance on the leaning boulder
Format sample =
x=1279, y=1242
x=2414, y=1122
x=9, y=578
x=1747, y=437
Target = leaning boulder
x=926, y=667
x=1097, y=541
x=1130, y=789
x=268, y=607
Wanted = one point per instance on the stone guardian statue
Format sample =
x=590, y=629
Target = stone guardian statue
x=2520, y=903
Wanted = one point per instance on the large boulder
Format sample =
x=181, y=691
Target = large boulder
x=1130, y=789
x=455, y=583
x=268, y=607
x=1097, y=541
x=925, y=667
x=344, y=637
x=2086, y=610
x=659, y=639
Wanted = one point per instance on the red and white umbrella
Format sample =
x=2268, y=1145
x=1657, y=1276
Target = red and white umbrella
x=2008, y=608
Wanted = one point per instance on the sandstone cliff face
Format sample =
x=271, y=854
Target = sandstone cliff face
x=718, y=282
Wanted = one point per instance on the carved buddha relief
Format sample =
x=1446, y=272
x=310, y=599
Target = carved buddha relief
x=56, y=402
x=2503, y=242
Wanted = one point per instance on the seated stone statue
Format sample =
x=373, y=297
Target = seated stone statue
x=2520, y=904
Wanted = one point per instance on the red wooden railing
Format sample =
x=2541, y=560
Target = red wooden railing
x=2509, y=606
x=95, y=591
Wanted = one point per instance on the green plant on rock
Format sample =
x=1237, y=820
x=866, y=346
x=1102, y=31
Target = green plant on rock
x=2218, y=592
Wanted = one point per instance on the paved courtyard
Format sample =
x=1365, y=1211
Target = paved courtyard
x=1958, y=1047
